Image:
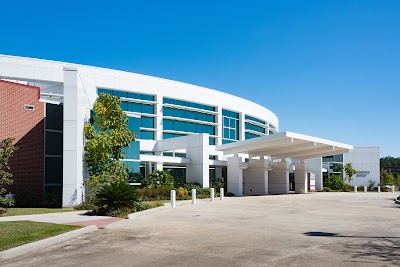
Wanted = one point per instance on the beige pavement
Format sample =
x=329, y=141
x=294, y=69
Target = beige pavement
x=320, y=229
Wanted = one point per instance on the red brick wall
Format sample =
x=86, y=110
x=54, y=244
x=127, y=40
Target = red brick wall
x=27, y=127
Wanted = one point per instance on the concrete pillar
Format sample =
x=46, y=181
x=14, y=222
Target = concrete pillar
x=241, y=126
x=221, y=193
x=158, y=119
x=193, y=196
x=74, y=119
x=212, y=194
x=148, y=169
x=219, y=128
x=158, y=166
x=235, y=176
x=256, y=177
x=278, y=178
x=315, y=166
x=379, y=189
x=198, y=169
x=300, y=178
x=355, y=189
x=365, y=189
x=392, y=188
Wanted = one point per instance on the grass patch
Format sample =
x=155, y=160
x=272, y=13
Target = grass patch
x=29, y=211
x=17, y=233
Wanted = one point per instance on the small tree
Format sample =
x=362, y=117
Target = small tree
x=106, y=134
x=348, y=169
x=387, y=178
x=7, y=148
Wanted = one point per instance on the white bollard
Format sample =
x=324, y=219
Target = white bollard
x=212, y=194
x=379, y=189
x=355, y=189
x=365, y=189
x=173, y=199
x=392, y=188
x=221, y=194
x=193, y=196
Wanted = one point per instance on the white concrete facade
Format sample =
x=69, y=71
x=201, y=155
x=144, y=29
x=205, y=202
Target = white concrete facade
x=76, y=87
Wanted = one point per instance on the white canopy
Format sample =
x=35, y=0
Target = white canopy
x=286, y=145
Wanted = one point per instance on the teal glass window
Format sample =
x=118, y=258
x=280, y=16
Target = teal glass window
x=250, y=135
x=168, y=111
x=254, y=119
x=54, y=143
x=54, y=117
x=147, y=109
x=187, y=104
x=147, y=122
x=147, y=135
x=230, y=125
x=168, y=125
x=255, y=128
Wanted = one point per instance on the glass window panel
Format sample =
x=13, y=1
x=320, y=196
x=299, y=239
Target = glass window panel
x=225, y=113
x=210, y=129
x=226, y=133
x=53, y=170
x=124, y=106
x=210, y=118
x=134, y=95
x=134, y=107
x=133, y=166
x=168, y=111
x=232, y=134
x=168, y=101
x=168, y=135
x=232, y=123
x=148, y=97
x=212, y=141
x=179, y=126
x=179, y=113
x=120, y=93
x=133, y=151
x=147, y=122
x=147, y=109
x=191, y=127
x=201, y=116
x=191, y=115
x=146, y=135
x=180, y=103
x=54, y=143
x=99, y=91
x=54, y=117
x=168, y=124
x=201, y=128
x=226, y=121
x=134, y=124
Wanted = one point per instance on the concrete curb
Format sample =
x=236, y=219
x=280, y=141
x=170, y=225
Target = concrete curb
x=44, y=243
x=149, y=211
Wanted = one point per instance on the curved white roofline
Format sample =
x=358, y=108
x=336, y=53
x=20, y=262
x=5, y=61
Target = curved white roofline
x=15, y=67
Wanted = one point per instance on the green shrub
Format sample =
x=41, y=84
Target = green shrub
x=383, y=188
x=216, y=184
x=116, y=195
x=360, y=188
x=122, y=212
x=326, y=189
x=159, y=193
x=158, y=178
x=334, y=182
x=86, y=206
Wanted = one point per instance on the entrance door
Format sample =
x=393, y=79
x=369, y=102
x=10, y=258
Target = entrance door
x=291, y=182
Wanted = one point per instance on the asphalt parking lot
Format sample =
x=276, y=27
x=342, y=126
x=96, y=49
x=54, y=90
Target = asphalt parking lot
x=317, y=229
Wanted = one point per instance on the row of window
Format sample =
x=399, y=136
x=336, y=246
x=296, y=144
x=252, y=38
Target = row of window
x=250, y=135
x=253, y=127
x=247, y=117
x=127, y=94
x=190, y=127
x=137, y=107
x=145, y=122
x=187, y=104
x=188, y=114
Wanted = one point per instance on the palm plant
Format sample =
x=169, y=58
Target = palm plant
x=116, y=195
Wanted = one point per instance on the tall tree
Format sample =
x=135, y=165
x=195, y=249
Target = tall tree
x=7, y=149
x=350, y=171
x=107, y=134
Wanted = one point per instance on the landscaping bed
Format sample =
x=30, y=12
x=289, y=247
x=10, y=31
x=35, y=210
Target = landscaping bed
x=18, y=233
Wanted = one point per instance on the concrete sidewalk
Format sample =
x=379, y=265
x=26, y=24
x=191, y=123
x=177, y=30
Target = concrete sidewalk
x=73, y=217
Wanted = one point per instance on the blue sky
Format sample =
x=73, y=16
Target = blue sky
x=327, y=68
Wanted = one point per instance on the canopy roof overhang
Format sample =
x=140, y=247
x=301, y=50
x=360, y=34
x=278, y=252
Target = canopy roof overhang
x=286, y=145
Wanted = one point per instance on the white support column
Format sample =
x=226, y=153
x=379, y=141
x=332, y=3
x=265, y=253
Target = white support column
x=220, y=126
x=256, y=177
x=300, y=178
x=198, y=169
x=235, y=175
x=158, y=119
x=74, y=119
x=241, y=126
x=148, y=168
x=278, y=178
x=159, y=166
